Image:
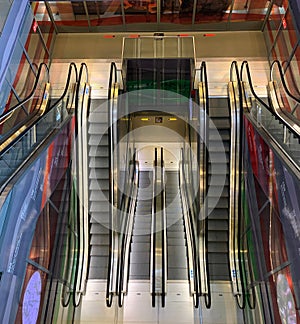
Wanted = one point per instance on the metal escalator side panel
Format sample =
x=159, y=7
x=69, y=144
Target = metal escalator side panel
x=128, y=215
x=191, y=236
x=153, y=234
x=234, y=197
x=203, y=145
x=112, y=280
x=163, y=245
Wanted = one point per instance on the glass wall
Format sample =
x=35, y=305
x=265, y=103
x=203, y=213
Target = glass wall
x=4, y=10
x=273, y=237
x=136, y=15
x=33, y=46
x=282, y=37
x=36, y=229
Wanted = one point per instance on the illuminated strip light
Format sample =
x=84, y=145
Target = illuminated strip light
x=134, y=36
x=209, y=35
x=145, y=119
x=108, y=36
x=172, y=119
x=183, y=35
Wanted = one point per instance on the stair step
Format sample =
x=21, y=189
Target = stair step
x=99, y=250
x=102, y=239
x=177, y=273
x=217, y=225
x=217, y=236
x=219, y=272
x=140, y=257
x=98, y=229
x=217, y=247
x=215, y=258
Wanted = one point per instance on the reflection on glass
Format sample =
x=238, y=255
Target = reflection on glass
x=173, y=11
x=276, y=15
x=24, y=81
x=140, y=11
x=292, y=77
x=31, y=301
x=285, y=300
x=212, y=11
x=69, y=13
x=249, y=10
x=282, y=295
x=40, y=248
x=4, y=10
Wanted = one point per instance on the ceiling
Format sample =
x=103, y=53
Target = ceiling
x=152, y=15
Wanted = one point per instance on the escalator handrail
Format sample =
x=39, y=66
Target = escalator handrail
x=235, y=213
x=23, y=133
x=164, y=231
x=160, y=230
x=72, y=65
x=128, y=209
x=35, y=121
x=78, y=110
x=245, y=65
x=204, y=80
x=282, y=79
x=112, y=128
x=83, y=67
x=191, y=231
x=240, y=134
x=113, y=77
x=153, y=232
x=31, y=94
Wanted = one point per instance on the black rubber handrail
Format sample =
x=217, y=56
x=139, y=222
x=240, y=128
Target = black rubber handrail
x=77, y=299
x=282, y=79
x=163, y=247
x=154, y=210
x=282, y=120
x=128, y=206
x=19, y=126
x=124, y=208
x=29, y=128
x=240, y=135
x=113, y=77
x=192, y=231
x=203, y=78
x=71, y=66
x=31, y=94
x=234, y=76
x=111, y=82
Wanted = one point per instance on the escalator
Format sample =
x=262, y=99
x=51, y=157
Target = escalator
x=26, y=125
x=170, y=251
x=98, y=190
x=141, y=238
x=42, y=150
x=267, y=173
x=177, y=253
x=218, y=225
x=156, y=236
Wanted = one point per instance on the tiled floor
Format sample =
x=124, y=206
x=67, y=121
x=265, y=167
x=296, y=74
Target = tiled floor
x=179, y=306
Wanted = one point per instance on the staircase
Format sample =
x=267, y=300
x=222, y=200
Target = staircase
x=140, y=246
x=218, y=219
x=98, y=190
x=177, y=257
